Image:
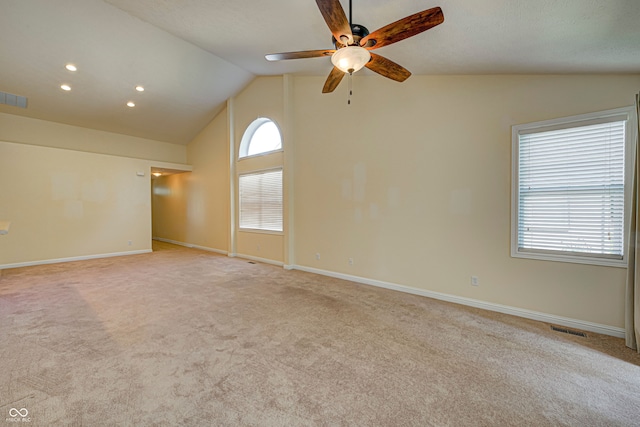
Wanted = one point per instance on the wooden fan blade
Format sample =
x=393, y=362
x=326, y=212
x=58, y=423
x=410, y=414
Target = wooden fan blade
x=404, y=28
x=388, y=68
x=334, y=16
x=299, y=55
x=334, y=79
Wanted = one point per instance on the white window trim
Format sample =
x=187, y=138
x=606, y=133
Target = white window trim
x=630, y=147
x=266, y=153
x=258, y=230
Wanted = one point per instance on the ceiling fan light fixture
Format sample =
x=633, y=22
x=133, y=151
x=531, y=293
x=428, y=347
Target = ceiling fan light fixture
x=350, y=58
x=353, y=41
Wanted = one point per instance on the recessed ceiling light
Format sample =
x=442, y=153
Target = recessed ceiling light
x=131, y=104
x=71, y=67
x=140, y=88
x=156, y=174
x=65, y=87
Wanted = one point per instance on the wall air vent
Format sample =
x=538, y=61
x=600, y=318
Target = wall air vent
x=13, y=100
x=569, y=331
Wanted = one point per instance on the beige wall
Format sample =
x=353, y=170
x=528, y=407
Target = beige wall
x=40, y=132
x=72, y=192
x=412, y=181
x=208, y=213
x=71, y=204
x=169, y=197
x=264, y=97
x=193, y=208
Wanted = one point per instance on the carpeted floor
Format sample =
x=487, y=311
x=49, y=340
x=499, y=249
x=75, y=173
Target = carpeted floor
x=186, y=337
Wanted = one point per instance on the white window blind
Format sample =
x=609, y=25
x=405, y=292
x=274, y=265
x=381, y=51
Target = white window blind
x=571, y=189
x=261, y=200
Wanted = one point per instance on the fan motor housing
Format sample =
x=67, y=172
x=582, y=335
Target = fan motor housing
x=359, y=32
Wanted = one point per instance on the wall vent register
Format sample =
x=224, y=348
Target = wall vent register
x=13, y=100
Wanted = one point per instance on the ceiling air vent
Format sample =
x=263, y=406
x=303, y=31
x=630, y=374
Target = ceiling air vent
x=13, y=100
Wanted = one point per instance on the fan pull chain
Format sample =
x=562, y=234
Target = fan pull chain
x=350, y=88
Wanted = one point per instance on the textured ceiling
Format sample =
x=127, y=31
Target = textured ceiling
x=191, y=55
x=477, y=37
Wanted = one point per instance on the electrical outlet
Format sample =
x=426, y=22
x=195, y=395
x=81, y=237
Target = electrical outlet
x=350, y=261
x=318, y=256
x=258, y=248
x=475, y=281
x=129, y=242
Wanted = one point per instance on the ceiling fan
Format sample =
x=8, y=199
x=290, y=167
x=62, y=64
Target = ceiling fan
x=353, y=43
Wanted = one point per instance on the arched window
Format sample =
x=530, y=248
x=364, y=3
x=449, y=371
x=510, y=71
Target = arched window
x=262, y=136
x=259, y=190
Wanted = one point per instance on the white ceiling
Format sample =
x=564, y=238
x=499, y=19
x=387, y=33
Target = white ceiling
x=191, y=55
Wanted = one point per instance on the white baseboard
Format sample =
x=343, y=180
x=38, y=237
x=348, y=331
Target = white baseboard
x=190, y=245
x=515, y=311
x=229, y=254
x=70, y=259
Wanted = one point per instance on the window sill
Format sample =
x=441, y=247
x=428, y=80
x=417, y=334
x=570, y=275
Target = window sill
x=576, y=259
x=258, y=231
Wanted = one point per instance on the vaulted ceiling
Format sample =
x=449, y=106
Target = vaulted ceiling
x=191, y=55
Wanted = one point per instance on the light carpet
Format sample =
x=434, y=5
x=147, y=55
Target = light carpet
x=186, y=337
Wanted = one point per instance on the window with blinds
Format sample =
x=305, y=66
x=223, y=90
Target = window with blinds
x=261, y=200
x=569, y=185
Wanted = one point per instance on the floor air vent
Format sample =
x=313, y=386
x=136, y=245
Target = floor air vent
x=569, y=331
